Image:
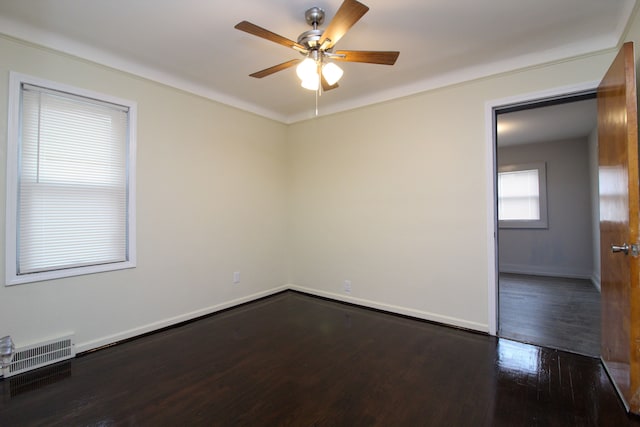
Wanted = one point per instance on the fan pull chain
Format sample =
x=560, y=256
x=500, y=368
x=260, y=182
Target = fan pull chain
x=317, y=95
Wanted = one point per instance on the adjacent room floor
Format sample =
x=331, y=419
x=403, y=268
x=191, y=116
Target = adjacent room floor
x=296, y=360
x=551, y=312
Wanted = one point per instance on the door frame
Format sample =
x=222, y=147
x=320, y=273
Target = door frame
x=491, y=108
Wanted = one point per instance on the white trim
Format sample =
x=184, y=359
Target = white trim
x=492, y=222
x=66, y=45
x=419, y=314
x=56, y=42
x=131, y=186
x=11, y=210
x=453, y=78
x=150, y=327
x=16, y=78
x=394, y=309
x=490, y=106
x=12, y=279
x=13, y=132
x=534, y=270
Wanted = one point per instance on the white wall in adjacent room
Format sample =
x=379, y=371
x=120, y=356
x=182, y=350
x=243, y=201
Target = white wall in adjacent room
x=565, y=247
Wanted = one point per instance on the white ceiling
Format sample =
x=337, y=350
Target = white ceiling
x=550, y=123
x=192, y=45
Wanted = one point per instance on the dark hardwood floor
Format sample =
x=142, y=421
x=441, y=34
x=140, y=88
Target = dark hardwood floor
x=552, y=312
x=296, y=360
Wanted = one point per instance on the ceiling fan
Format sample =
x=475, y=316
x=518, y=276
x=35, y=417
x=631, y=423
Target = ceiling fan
x=315, y=70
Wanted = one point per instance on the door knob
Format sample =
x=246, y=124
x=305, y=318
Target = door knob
x=624, y=248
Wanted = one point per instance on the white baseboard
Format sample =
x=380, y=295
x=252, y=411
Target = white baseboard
x=419, y=314
x=544, y=271
x=100, y=342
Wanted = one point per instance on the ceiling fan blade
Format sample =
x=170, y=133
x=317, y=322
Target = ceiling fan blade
x=268, y=71
x=348, y=14
x=370, y=57
x=250, y=28
x=326, y=86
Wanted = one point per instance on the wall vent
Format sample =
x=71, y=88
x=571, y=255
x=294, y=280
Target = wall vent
x=42, y=354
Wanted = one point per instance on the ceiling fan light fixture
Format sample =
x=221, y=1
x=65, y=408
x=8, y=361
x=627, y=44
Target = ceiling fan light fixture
x=317, y=47
x=311, y=82
x=307, y=69
x=332, y=73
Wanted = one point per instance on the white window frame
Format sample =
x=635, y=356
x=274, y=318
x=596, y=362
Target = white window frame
x=543, y=222
x=16, y=80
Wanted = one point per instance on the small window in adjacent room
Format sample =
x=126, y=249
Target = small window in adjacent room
x=522, y=196
x=70, y=182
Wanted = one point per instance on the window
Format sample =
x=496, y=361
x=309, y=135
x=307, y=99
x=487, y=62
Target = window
x=522, y=196
x=71, y=182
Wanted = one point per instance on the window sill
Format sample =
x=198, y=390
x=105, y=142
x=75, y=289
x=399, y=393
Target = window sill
x=13, y=279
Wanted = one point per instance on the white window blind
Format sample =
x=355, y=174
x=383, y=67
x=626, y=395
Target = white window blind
x=522, y=196
x=72, y=182
x=519, y=195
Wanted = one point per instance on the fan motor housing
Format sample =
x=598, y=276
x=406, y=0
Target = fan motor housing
x=314, y=16
x=310, y=39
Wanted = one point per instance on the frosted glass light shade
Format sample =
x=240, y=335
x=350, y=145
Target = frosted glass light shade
x=306, y=69
x=332, y=73
x=312, y=82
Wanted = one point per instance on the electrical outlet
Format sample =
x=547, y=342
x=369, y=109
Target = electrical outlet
x=347, y=286
x=236, y=277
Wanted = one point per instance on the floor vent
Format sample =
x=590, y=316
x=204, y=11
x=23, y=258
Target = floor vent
x=42, y=354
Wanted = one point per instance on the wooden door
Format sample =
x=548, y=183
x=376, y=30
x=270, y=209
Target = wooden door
x=618, y=171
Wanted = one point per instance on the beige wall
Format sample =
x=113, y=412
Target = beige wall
x=397, y=197
x=211, y=190
x=394, y=197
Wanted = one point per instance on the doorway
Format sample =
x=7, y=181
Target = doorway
x=546, y=219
